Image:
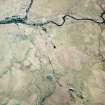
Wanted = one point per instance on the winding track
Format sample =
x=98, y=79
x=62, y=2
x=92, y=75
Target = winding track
x=24, y=20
